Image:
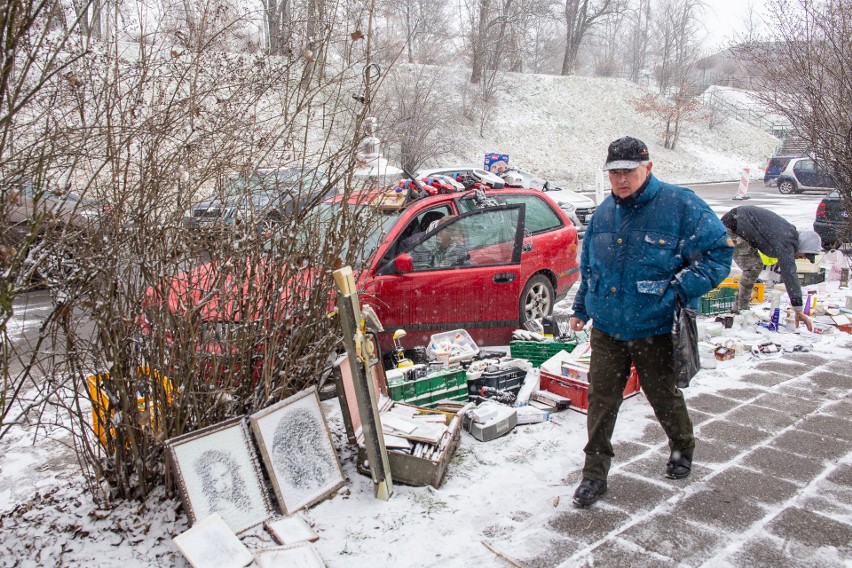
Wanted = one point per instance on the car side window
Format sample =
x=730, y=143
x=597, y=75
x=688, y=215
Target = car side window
x=804, y=166
x=540, y=216
x=484, y=239
x=418, y=227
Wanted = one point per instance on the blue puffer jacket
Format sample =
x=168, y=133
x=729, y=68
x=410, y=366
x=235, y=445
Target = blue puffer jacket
x=637, y=256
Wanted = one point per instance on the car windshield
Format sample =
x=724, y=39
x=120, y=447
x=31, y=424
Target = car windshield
x=369, y=224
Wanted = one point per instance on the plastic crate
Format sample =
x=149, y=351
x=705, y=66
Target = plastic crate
x=757, y=294
x=506, y=380
x=537, y=352
x=578, y=391
x=718, y=301
x=420, y=392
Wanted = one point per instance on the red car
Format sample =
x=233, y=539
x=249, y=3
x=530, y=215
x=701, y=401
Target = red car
x=508, y=264
x=483, y=261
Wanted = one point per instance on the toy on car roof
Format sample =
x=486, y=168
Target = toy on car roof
x=433, y=185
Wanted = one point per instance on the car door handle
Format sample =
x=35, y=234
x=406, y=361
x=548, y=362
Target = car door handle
x=504, y=277
x=527, y=247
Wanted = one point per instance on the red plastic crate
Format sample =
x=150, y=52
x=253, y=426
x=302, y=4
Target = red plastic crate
x=578, y=391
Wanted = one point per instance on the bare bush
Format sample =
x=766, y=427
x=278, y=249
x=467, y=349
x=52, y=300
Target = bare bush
x=154, y=331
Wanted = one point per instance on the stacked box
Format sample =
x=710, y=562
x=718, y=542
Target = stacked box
x=757, y=294
x=537, y=352
x=429, y=390
x=510, y=380
x=578, y=391
x=718, y=301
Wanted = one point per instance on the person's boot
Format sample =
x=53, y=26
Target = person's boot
x=679, y=465
x=588, y=492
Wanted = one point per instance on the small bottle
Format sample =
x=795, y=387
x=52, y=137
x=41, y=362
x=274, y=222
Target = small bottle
x=776, y=299
x=776, y=315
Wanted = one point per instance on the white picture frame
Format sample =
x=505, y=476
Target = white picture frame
x=211, y=542
x=296, y=448
x=217, y=471
x=302, y=555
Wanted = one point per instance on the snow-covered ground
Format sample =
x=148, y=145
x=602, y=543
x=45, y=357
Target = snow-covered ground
x=557, y=126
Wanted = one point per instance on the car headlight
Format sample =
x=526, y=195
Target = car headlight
x=566, y=206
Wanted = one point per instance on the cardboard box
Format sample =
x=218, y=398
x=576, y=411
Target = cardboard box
x=578, y=391
x=405, y=468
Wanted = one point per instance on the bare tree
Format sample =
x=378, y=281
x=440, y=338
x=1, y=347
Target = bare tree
x=813, y=42
x=638, y=39
x=420, y=119
x=580, y=17
x=154, y=332
x=606, y=41
x=677, y=28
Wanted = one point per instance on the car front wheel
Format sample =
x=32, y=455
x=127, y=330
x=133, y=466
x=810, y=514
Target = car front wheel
x=537, y=299
x=786, y=187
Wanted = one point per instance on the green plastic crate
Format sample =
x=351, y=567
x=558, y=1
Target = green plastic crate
x=718, y=301
x=428, y=390
x=537, y=352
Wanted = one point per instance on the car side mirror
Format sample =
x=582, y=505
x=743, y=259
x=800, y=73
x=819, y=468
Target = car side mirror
x=404, y=263
x=546, y=186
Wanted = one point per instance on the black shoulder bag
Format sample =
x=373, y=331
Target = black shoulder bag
x=685, y=345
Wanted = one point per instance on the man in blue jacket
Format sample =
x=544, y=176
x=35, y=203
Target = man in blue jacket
x=647, y=244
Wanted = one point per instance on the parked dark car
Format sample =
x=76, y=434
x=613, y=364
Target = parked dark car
x=805, y=174
x=774, y=168
x=259, y=199
x=832, y=222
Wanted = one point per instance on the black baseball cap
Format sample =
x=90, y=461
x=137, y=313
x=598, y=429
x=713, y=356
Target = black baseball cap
x=626, y=154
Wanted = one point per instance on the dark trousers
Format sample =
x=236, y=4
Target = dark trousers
x=608, y=374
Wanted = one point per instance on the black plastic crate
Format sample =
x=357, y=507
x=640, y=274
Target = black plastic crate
x=509, y=380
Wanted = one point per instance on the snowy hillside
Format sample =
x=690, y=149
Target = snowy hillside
x=560, y=127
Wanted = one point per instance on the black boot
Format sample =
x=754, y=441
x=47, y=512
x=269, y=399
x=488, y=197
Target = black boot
x=589, y=491
x=680, y=464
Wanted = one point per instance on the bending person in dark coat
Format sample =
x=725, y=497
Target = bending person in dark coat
x=756, y=229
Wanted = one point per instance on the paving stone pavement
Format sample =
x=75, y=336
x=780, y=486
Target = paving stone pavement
x=771, y=485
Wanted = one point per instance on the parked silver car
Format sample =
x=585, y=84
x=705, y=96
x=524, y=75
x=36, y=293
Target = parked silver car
x=259, y=199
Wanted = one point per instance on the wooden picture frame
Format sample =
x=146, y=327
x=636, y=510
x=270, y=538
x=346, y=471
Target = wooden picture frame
x=218, y=472
x=296, y=448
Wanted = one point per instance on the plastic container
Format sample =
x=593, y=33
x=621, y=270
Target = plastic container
x=506, y=380
x=453, y=346
x=718, y=301
x=428, y=390
x=578, y=391
x=537, y=352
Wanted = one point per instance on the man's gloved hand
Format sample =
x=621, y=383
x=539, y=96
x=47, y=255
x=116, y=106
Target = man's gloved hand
x=801, y=317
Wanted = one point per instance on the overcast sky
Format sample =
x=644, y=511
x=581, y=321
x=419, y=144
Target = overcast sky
x=725, y=18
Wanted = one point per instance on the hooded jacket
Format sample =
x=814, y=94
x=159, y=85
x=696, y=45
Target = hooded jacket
x=772, y=235
x=639, y=256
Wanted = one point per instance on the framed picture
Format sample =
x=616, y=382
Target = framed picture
x=290, y=530
x=210, y=542
x=296, y=447
x=218, y=472
x=302, y=555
